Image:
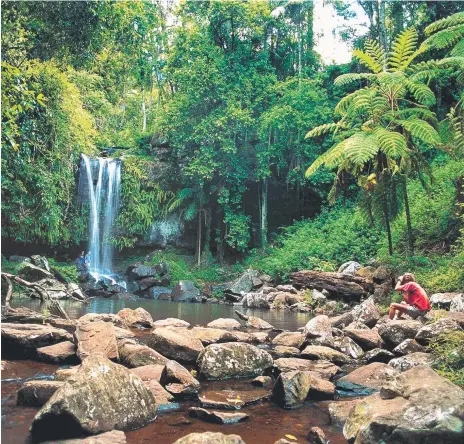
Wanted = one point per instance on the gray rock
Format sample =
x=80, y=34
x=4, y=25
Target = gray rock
x=412, y=360
x=378, y=355
x=233, y=399
x=457, y=304
x=185, y=291
x=408, y=346
x=217, y=417
x=395, y=332
x=96, y=338
x=103, y=317
x=349, y=268
x=133, y=354
x=61, y=353
x=317, y=436
x=318, y=327
x=326, y=353
x=100, y=397
x=225, y=323
x=433, y=331
x=139, y=271
x=289, y=339
x=323, y=369
x=340, y=410
x=32, y=273
x=443, y=300
x=233, y=360
x=318, y=296
x=37, y=393
x=291, y=388
x=287, y=289
x=138, y=318
x=347, y=346
x=113, y=437
x=371, y=376
x=281, y=351
x=368, y=313
x=210, y=438
x=381, y=274
x=255, y=300
x=171, y=322
x=179, y=381
x=40, y=261
x=367, y=339
x=17, y=258
x=262, y=381
x=244, y=284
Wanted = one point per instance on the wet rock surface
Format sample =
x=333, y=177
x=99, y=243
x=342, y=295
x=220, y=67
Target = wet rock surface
x=132, y=354
x=61, y=353
x=96, y=338
x=210, y=438
x=217, y=417
x=37, y=393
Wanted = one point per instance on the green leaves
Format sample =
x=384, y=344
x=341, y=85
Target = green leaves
x=361, y=147
x=403, y=50
x=421, y=130
x=392, y=143
x=322, y=129
x=346, y=79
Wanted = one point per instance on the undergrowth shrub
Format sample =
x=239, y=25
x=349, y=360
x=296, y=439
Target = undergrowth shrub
x=449, y=351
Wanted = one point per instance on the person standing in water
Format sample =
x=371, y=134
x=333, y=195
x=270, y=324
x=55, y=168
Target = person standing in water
x=416, y=300
x=87, y=260
x=80, y=264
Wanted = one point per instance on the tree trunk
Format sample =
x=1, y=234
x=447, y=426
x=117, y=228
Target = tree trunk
x=408, y=219
x=382, y=27
x=387, y=223
x=144, y=111
x=220, y=237
x=398, y=17
x=264, y=214
x=199, y=238
x=206, y=253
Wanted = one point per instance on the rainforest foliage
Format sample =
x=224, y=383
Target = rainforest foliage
x=225, y=115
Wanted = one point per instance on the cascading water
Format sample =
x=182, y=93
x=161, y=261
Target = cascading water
x=99, y=185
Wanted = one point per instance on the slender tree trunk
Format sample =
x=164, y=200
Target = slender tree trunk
x=408, y=219
x=299, y=53
x=264, y=213
x=398, y=17
x=387, y=223
x=144, y=111
x=382, y=27
x=220, y=238
x=206, y=244
x=199, y=238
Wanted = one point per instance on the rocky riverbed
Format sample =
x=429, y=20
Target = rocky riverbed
x=126, y=377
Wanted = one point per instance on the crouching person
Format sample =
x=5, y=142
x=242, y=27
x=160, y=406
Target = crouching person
x=416, y=300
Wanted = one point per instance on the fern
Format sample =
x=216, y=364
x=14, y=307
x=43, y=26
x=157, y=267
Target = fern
x=421, y=130
x=361, y=147
x=458, y=50
x=346, y=79
x=422, y=93
x=452, y=20
x=369, y=61
x=392, y=143
x=332, y=157
x=344, y=104
x=402, y=50
x=377, y=53
x=444, y=39
x=322, y=129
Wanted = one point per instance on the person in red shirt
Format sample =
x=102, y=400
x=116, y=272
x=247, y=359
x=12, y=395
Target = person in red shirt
x=416, y=300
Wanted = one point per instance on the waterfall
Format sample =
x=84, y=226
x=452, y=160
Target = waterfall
x=99, y=185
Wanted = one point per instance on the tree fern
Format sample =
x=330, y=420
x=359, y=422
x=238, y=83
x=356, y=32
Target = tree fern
x=452, y=20
x=392, y=143
x=361, y=147
x=402, y=50
x=346, y=79
x=421, y=92
x=369, y=60
x=344, y=104
x=444, y=39
x=322, y=129
x=458, y=50
x=332, y=157
x=376, y=52
x=421, y=130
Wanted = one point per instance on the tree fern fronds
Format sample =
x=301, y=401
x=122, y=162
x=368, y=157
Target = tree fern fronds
x=370, y=61
x=458, y=50
x=322, y=129
x=422, y=93
x=376, y=52
x=446, y=22
x=402, y=50
x=444, y=39
x=421, y=113
x=345, y=102
x=392, y=143
x=346, y=79
x=361, y=147
x=330, y=158
x=421, y=129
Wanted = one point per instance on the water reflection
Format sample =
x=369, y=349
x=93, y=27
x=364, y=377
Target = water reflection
x=195, y=313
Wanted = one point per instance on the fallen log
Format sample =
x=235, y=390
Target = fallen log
x=337, y=284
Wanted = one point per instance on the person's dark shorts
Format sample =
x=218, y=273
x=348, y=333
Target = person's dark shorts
x=414, y=312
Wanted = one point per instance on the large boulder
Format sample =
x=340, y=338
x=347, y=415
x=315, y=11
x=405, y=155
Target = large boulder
x=418, y=406
x=395, y=332
x=138, y=318
x=217, y=417
x=210, y=438
x=291, y=388
x=61, y=353
x=179, y=381
x=349, y=268
x=443, y=300
x=37, y=393
x=33, y=273
x=254, y=322
x=255, y=300
x=242, y=285
x=347, y=346
x=185, y=291
x=367, y=339
x=408, y=346
x=103, y=317
x=371, y=376
x=289, y=339
x=457, y=304
x=40, y=261
x=96, y=338
x=225, y=323
x=133, y=354
x=113, y=437
x=321, y=368
x=139, y=271
x=171, y=322
x=209, y=336
x=100, y=397
x=368, y=313
x=326, y=353
x=378, y=355
x=432, y=331
x=340, y=410
x=318, y=328
x=404, y=363
x=23, y=340
x=233, y=360
x=150, y=372
x=342, y=320
x=175, y=343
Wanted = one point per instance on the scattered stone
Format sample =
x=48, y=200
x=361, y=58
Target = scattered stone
x=349, y=268
x=379, y=355
x=254, y=322
x=262, y=381
x=340, y=410
x=324, y=369
x=33, y=273
x=443, y=300
x=233, y=360
x=133, y=354
x=18, y=258
x=103, y=317
x=176, y=343
x=113, y=437
x=372, y=376
x=22, y=340
x=318, y=296
x=75, y=291
x=217, y=417
x=408, y=346
x=61, y=353
x=64, y=373
x=347, y=346
x=225, y=323
x=171, y=322
x=368, y=313
x=289, y=339
x=342, y=320
x=366, y=272
x=317, y=436
x=233, y=399
x=321, y=389
x=326, y=353
x=255, y=300
x=37, y=393
x=96, y=338
x=210, y=438
x=432, y=331
x=412, y=360
x=417, y=406
x=123, y=333
x=281, y=351
x=291, y=389
x=318, y=327
x=179, y=381
x=209, y=336
x=185, y=291
x=457, y=304
x=138, y=318
x=381, y=274
x=163, y=399
x=395, y=332
x=151, y=372
x=367, y=339
x=100, y=397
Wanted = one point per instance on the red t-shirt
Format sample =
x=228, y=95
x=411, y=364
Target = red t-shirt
x=415, y=295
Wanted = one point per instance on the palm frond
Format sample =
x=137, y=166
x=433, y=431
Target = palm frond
x=403, y=49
